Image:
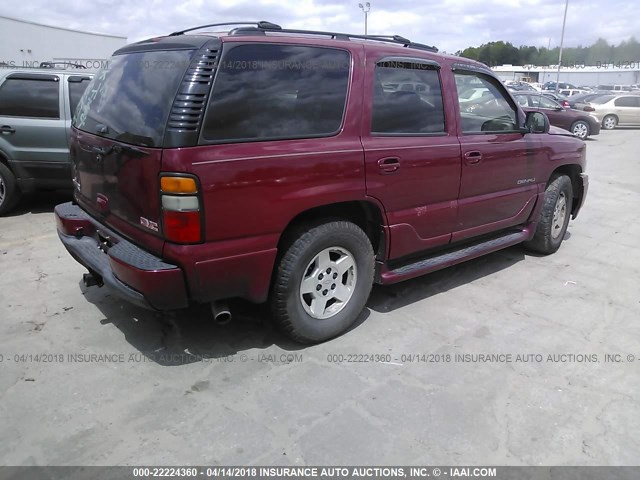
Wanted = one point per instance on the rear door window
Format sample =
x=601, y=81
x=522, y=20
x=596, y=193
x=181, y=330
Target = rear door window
x=130, y=101
x=270, y=92
x=407, y=99
x=36, y=96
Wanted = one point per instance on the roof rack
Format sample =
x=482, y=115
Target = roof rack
x=260, y=25
x=265, y=26
x=53, y=64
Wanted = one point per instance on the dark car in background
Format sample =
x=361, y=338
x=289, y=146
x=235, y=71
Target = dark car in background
x=557, y=97
x=36, y=107
x=581, y=124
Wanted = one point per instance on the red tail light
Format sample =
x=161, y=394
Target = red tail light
x=589, y=109
x=182, y=227
x=181, y=212
x=566, y=104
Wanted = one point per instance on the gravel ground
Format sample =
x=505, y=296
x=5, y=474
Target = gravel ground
x=120, y=385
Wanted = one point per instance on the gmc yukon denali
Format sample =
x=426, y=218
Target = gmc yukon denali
x=299, y=167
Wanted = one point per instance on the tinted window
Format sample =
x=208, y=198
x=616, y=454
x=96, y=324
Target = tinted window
x=626, y=102
x=131, y=99
x=30, y=98
x=277, y=91
x=543, y=102
x=603, y=99
x=76, y=89
x=492, y=112
x=407, y=99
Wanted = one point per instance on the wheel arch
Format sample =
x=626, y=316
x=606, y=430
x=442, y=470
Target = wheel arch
x=573, y=171
x=366, y=214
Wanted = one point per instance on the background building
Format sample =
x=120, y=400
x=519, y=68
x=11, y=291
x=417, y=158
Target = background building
x=24, y=43
x=623, y=74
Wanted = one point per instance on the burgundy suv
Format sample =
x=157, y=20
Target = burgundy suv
x=298, y=168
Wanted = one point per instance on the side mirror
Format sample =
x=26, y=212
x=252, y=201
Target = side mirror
x=536, y=122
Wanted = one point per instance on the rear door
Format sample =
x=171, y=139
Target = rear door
x=412, y=154
x=32, y=130
x=116, y=145
x=498, y=185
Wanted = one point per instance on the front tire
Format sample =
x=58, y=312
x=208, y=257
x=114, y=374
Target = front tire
x=580, y=129
x=9, y=191
x=554, y=217
x=609, y=122
x=322, y=281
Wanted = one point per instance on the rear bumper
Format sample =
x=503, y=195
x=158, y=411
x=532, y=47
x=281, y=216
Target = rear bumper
x=132, y=273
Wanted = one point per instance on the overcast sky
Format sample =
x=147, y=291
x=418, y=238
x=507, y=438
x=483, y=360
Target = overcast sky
x=450, y=25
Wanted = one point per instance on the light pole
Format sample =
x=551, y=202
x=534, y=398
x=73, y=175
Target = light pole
x=365, y=8
x=564, y=21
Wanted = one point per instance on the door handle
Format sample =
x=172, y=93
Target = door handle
x=7, y=130
x=471, y=158
x=388, y=165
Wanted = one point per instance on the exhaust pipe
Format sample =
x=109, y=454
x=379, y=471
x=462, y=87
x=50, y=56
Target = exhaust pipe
x=221, y=313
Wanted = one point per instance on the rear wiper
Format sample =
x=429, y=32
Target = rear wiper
x=118, y=149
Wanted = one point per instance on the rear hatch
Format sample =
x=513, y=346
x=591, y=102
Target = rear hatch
x=117, y=139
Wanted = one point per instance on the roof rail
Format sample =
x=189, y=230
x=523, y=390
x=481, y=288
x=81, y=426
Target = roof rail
x=397, y=39
x=262, y=25
x=53, y=64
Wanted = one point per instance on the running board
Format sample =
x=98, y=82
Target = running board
x=453, y=257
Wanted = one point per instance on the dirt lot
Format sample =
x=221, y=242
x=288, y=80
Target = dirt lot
x=86, y=379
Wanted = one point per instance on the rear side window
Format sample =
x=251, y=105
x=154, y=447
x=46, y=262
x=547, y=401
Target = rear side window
x=77, y=86
x=269, y=92
x=30, y=98
x=407, y=99
x=130, y=101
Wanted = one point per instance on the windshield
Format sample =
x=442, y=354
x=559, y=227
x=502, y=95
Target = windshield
x=131, y=99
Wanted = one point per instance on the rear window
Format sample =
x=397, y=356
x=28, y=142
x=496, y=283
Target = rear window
x=603, y=99
x=270, y=92
x=131, y=99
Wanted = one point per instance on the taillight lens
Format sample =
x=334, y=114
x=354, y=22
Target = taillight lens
x=589, y=109
x=181, y=209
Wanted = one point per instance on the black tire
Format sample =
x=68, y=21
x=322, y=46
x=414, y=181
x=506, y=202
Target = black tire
x=549, y=234
x=9, y=191
x=581, y=129
x=609, y=122
x=286, y=300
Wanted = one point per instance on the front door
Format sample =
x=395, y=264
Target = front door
x=498, y=186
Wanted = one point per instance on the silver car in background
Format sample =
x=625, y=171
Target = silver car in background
x=613, y=110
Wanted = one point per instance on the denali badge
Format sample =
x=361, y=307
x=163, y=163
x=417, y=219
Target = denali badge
x=149, y=224
x=525, y=181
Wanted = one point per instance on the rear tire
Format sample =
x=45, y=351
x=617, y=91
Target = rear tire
x=580, y=129
x=322, y=281
x=609, y=122
x=9, y=191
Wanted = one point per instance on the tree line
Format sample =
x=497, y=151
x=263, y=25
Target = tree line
x=600, y=53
